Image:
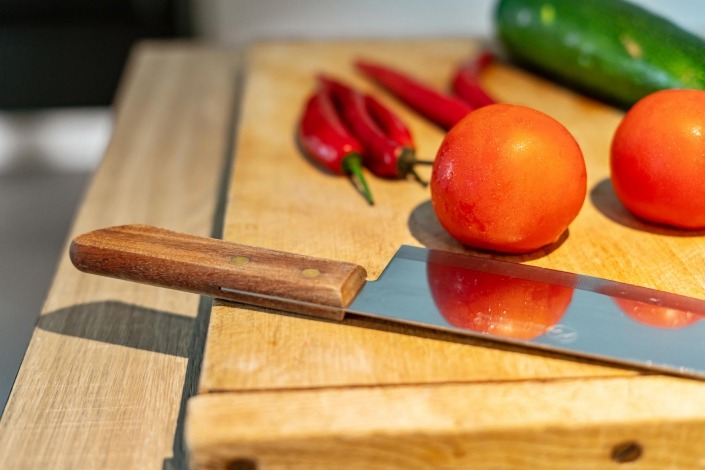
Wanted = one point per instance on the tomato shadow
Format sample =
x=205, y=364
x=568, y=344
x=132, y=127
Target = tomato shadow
x=605, y=200
x=427, y=230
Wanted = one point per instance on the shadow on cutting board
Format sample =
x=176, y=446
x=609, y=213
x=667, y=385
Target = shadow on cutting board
x=606, y=201
x=123, y=324
x=427, y=230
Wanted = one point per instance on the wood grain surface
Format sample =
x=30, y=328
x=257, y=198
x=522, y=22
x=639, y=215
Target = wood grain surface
x=262, y=362
x=218, y=268
x=102, y=382
x=452, y=426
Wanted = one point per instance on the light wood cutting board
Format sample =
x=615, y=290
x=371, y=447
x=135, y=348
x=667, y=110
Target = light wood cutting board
x=415, y=399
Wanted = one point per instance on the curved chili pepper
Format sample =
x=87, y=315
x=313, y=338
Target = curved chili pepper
x=388, y=144
x=329, y=143
x=466, y=82
x=389, y=122
x=444, y=110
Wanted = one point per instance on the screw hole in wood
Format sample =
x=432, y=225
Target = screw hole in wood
x=626, y=452
x=241, y=464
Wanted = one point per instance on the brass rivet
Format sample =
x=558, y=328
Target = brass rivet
x=310, y=272
x=239, y=260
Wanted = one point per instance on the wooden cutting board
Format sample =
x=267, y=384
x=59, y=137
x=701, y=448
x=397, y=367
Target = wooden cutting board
x=298, y=393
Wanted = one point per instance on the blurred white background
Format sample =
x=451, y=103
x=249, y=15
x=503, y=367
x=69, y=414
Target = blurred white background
x=47, y=156
x=237, y=22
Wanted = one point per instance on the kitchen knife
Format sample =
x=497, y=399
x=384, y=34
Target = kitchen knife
x=508, y=302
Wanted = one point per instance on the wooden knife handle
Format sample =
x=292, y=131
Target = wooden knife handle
x=206, y=266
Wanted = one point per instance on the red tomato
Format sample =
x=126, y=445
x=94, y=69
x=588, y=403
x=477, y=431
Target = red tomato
x=658, y=158
x=491, y=303
x=508, y=178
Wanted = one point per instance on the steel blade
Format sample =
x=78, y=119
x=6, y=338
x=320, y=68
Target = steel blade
x=540, y=308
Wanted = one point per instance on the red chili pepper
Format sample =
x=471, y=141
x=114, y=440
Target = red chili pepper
x=388, y=144
x=444, y=110
x=389, y=122
x=329, y=143
x=466, y=82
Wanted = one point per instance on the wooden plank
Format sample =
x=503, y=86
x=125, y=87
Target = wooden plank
x=508, y=425
x=278, y=199
x=262, y=363
x=249, y=349
x=102, y=381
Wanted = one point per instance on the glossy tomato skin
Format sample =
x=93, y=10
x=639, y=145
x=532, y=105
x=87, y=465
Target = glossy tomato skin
x=508, y=178
x=658, y=158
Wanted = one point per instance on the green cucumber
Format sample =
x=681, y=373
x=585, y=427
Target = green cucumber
x=611, y=48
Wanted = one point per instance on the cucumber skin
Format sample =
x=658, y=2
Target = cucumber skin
x=587, y=45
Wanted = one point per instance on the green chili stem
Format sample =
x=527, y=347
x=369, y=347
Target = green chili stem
x=352, y=164
x=405, y=164
x=416, y=176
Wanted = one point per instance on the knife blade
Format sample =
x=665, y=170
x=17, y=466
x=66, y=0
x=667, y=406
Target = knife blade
x=532, y=307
